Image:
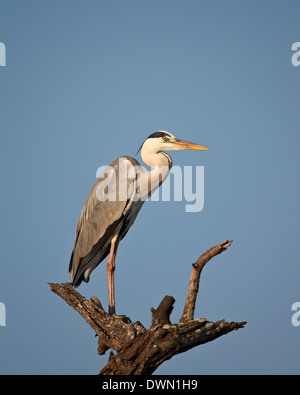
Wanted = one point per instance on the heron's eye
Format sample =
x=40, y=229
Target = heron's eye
x=165, y=138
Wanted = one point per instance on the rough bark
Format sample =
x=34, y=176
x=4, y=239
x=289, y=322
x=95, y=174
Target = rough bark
x=139, y=351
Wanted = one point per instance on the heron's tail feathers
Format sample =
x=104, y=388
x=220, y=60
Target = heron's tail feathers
x=77, y=276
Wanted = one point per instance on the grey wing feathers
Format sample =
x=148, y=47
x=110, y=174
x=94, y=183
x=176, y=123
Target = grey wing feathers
x=100, y=220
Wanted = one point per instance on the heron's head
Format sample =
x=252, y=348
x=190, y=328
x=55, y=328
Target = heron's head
x=162, y=141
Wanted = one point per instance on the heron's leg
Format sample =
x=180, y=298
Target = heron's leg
x=110, y=268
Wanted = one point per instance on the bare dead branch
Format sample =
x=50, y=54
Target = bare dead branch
x=113, y=331
x=190, y=303
x=161, y=315
x=140, y=350
x=144, y=354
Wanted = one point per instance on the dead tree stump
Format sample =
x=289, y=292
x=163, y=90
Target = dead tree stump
x=139, y=351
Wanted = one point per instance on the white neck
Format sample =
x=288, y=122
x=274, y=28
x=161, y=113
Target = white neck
x=161, y=163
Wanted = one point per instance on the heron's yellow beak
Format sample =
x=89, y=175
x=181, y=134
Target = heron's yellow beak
x=181, y=144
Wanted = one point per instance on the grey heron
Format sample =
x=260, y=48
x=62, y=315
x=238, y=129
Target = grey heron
x=106, y=218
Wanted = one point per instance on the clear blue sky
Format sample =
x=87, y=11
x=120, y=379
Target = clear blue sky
x=88, y=81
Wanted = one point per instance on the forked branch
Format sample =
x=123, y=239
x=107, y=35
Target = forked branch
x=139, y=350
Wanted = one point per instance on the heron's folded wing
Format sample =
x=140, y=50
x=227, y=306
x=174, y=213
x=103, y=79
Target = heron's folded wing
x=102, y=213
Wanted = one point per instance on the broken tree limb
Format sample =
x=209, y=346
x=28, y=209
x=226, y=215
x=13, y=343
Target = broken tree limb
x=139, y=351
x=161, y=315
